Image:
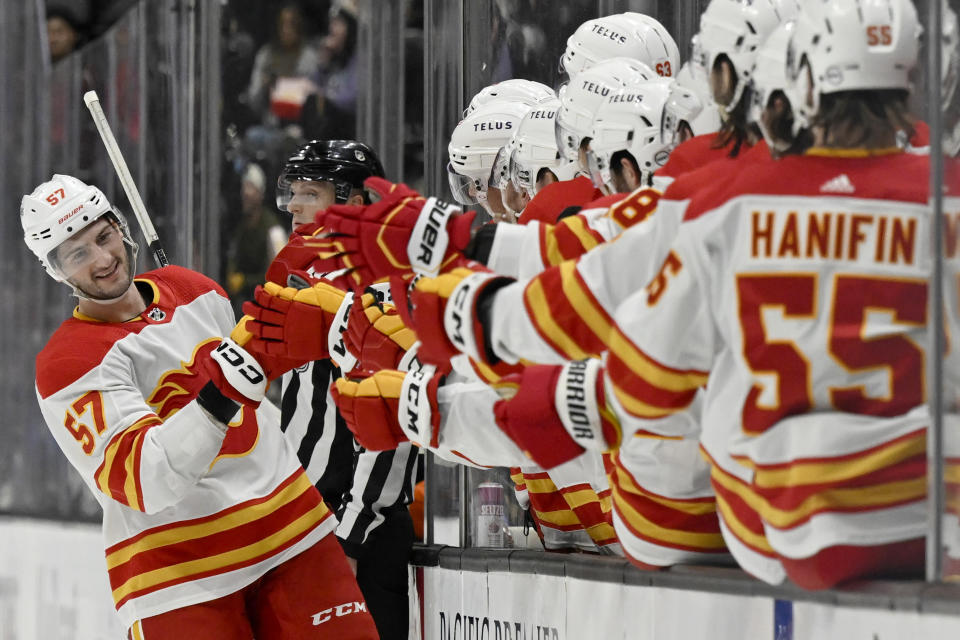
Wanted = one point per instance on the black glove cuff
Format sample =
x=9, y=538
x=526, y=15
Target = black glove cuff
x=481, y=244
x=216, y=404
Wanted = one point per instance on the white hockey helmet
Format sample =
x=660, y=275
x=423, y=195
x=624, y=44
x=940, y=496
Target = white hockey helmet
x=474, y=145
x=693, y=77
x=850, y=46
x=630, y=120
x=769, y=76
x=580, y=98
x=515, y=89
x=681, y=111
x=736, y=29
x=59, y=209
x=534, y=148
x=629, y=35
x=663, y=54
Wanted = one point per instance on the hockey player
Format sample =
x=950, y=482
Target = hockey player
x=369, y=491
x=625, y=35
x=474, y=146
x=530, y=93
x=950, y=79
x=211, y=527
x=451, y=415
x=580, y=99
x=731, y=33
x=803, y=292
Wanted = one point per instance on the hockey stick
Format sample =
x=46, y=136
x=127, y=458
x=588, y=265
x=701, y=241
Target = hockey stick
x=92, y=101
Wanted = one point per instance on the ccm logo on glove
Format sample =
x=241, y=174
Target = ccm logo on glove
x=228, y=354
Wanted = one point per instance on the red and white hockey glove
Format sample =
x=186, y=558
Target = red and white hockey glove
x=273, y=366
x=390, y=407
x=554, y=413
x=236, y=378
x=377, y=335
x=443, y=312
x=294, y=323
x=303, y=253
x=369, y=407
x=398, y=235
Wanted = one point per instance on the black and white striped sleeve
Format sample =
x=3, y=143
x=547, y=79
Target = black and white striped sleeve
x=382, y=480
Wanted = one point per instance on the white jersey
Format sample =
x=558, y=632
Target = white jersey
x=522, y=251
x=571, y=504
x=190, y=514
x=798, y=297
x=565, y=312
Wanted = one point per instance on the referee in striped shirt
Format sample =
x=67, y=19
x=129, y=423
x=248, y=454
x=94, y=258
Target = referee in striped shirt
x=368, y=490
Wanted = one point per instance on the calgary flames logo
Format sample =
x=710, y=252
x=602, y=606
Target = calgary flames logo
x=177, y=387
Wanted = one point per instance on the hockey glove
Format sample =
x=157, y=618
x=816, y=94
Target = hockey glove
x=377, y=336
x=305, y=252
x=293, y=323
x=443, y=312
x=554, y=413
x=273, y=366
x=236, y=378
x=399, y=234
x=390, y=407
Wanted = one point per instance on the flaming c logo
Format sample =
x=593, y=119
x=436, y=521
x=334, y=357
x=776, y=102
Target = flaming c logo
x=177, y=387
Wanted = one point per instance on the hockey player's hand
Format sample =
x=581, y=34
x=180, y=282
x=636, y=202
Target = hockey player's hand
x=377, y=336
x=399, y=234
x=303, y=253
x=444, y=314
x=370, y=406
x=273, y=366
x=294, y=323
x=554, y=413
x=235, y=373
x=390, y=407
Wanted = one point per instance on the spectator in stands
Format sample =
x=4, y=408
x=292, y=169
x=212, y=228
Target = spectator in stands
x=64, y=31
x=286, y=56
x=331, y=111
x=255, y=240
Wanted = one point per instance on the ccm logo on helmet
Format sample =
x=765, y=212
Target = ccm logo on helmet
x=69, y=215
x=339, y=611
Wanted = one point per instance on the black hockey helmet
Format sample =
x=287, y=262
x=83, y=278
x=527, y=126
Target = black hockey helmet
x=345, y=163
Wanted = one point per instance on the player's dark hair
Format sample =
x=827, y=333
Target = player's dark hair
x=864, y=119
x=734, y=130
x=617, y=168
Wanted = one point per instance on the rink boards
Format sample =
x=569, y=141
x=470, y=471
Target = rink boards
x=53, y=586
x=503, y=595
